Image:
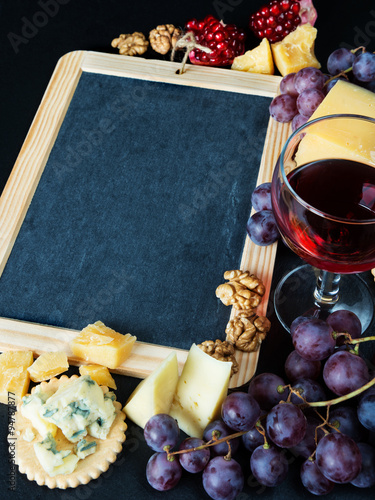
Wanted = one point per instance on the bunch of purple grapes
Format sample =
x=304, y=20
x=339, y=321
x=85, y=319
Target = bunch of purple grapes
x=280, y=415
x=261, y=226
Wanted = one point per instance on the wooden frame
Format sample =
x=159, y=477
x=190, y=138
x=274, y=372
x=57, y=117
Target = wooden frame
x=33, y=157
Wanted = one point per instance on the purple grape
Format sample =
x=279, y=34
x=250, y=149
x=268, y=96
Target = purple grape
x=309, y=78
x=262, y=228
x=332, y=82
x=194, y=461
x=267, y=389
x=313, y=339
x=310, y=391
x=364, y=67
x=366, y=409
x=366, y=478
x=297, y=321
x=223, y=479
x=343, y=321
x=161, y=432
x=297, y=367
x=308, y=101
x=345, y=420
x=298, y=121
x=338, y=458
x=287, y=85
x=345, y=372
x=240, y=411
x=313, y=480
x=269, y=465
x=286, y=425
x=283, y=107
x=312, y=436
x=221, y=430
x=340, y=60
x=252, y=439
x=261, y=197
x=161, y=473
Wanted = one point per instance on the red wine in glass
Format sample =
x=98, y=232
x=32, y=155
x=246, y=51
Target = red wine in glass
x=333, y=227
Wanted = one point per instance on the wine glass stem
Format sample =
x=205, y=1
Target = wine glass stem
x=326, y=293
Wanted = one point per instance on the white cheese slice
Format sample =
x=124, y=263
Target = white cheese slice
x=155, y=393
x=201, y=390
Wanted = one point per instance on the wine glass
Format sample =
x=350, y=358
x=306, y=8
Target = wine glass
x=323, y=196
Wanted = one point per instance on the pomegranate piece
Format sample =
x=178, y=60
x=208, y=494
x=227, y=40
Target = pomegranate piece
x=280, y=17
x=225, y=41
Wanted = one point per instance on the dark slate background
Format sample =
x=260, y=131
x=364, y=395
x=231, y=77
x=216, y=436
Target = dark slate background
x=33, y=36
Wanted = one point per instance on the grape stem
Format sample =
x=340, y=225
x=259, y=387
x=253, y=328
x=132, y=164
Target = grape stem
x=341, y=398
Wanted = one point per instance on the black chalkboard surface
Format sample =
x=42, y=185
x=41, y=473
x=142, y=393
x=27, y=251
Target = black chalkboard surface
x=140, y=209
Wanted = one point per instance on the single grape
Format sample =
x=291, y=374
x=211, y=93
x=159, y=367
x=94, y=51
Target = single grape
x=332, y=82
x=366, y=409
x=268, y=389
x=252, y=439
x=308, y=101
x=370, y=86
x=283, y=107
x=313, y=480
x=194, y=461
x=287, y=85
x=218, y=429
x=338, y=458
x=286, y=425
x=312, y=436
x=345, y=372
x=364, y=67
x=309, y=390
x=261, y=197
x=240, y=411
x=262, y=228
x=340, y=60
x=366, y=478
x=344, y=321
x=297, y=321
x=223, y=479
x=313, y=339
x=309, y=78
x=297, y=367
x=161, y=432
x=345, y=420
x=298, y=121
x=269, y=465
x=162, y=473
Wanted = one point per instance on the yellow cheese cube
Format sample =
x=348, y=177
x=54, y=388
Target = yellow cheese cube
x=48, y=365
x=200, y=392
x=327, y=140
x=296, y=50
x=100, y=374
x=14, y=377
x=155, y=393
x=258, y=60
x=101, y=345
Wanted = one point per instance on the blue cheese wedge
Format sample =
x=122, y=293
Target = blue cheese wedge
x=54, y=462
x=80, y=408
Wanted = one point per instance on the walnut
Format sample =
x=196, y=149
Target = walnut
x=221, y=350
x=164, y=37
x=131, y=45
x=243, y=290
x=247, y=331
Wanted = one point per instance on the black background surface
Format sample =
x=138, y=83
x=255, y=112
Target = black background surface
x=25, y=70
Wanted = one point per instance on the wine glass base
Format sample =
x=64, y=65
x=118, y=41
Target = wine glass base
x=294, y=296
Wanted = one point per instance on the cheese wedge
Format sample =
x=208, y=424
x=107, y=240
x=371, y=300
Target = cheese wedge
x=100, y=375
x=14, y=377
x=155, y=393
x=341, y=140
x=201, y=390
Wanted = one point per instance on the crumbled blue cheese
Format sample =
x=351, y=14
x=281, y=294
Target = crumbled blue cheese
x=28, y=434
x=78, y=408
x=53, y=461
x=30, y=409
x=85, y=448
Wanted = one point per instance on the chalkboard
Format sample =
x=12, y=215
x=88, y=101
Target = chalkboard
x=140, y=207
